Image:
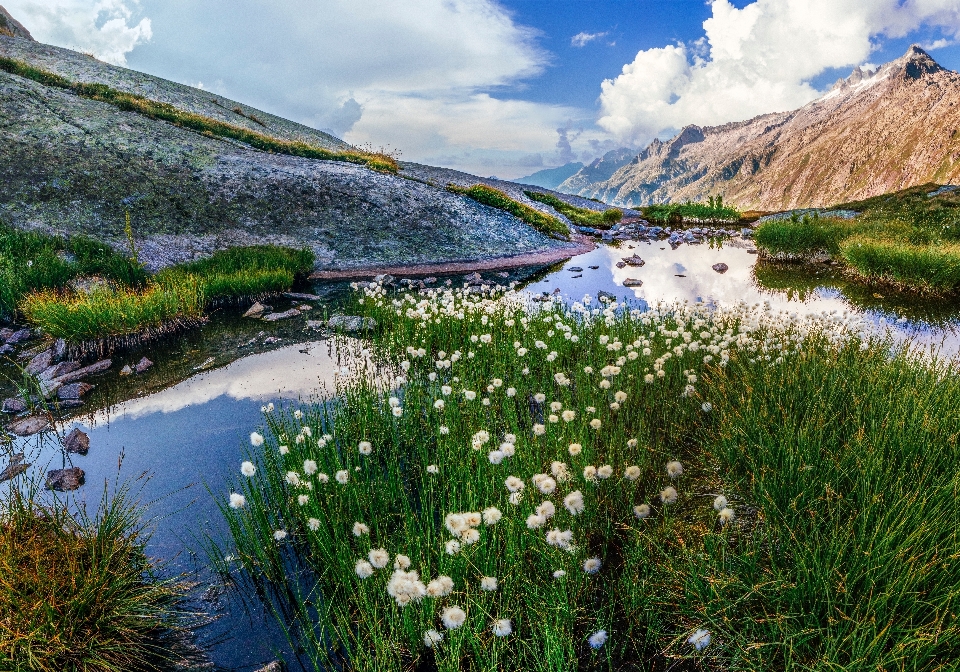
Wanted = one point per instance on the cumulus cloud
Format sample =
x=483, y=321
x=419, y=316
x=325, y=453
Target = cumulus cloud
x=104, y=28
x=583, y=39
x=754, y=60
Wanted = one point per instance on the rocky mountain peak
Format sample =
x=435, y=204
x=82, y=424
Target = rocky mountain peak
x=10, y=27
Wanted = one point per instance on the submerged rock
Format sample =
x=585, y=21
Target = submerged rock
x=40, y=362
x=632, y=282
x=256, y=310
x=720, y=268
x=30, y=425
x=126, y=370
x=73, y=391
x=77, y=441
x=276, y=317
x=99, y=367
x=14, y=405
x=143, y=365
x=351, y=323
x=65, y=480
x=14, y=468
x=301, y=297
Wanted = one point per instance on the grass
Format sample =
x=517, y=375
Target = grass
x=837, y=454
x=495, y=198
x=579, y=216
x=79, y=594
x=714, y=211
x=165, y=112
x=907, y=239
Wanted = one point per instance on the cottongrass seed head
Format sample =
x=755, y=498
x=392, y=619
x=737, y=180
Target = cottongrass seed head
x=359, y=529
x=592, y=565
x=237, y=501
x=363, y=569
x=431, y=638
x=256, y=439
x=488, y=583
x=726, y=516
x=668, y=495
x=700, y=639
x=597, y=639
x=502, y=627
x=720, y=503
x=674, y=469
x=453, y=617
x=641, y=511
x=247, y=469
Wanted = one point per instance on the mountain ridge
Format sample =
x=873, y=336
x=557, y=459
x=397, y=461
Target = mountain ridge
x=873, y=132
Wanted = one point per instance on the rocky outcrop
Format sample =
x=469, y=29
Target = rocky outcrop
x=10, y=27
x=874, y=132
x=73, y=165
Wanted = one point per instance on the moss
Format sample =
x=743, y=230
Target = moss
x=580, y=216
x=495, y=198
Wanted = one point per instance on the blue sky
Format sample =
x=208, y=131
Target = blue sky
x=502, y=86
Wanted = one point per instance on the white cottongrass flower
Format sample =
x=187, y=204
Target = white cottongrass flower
x=481, y=437
x=492, y=515
x=359, y=529
x=293, y=478
x=309, y=467
x=514, y=484
x=668, y=495
x=431, y=638
x=516, y=497
x=595, y=423
x=256, y=439
x=674, y=469
x=560, y=539
x=440, y=587
x=363, y=569
x=284, y=450
x=323, y=478
x=590, y=473
x=470, y=395
x=496, y=456
x=237, y=501
x=508, y=448
x=632, y=473
x=539, y=430
x=726, y=516
x=707, y=407
x=606, y=471
x=488, y=583
x=406, y=587
x=397, y=411
x=378, y=557
x=574, y=449
x=401, y=561
x=720, y=503
x=592, y=565
x=547, y=509
x=700, y=639
x=247, y=469
x=279, y=535
x=313, y=524
x=620, y=397
x=438, y=404
x=574, y=503
x=455, y=523
x=559, y=574
x=632, y=443
x=540, y=397
x=554, y=418
x=302, y=500
x=470, y=536
x=641, y=511
x=560, y=471
x=342, y=476
x=444, y=429
x=545, y=484
x=452, y=547
x=648, y=379
x=365, y=447
x=511, y=391
x=568, y=415
x=433, y=469
x=597, y=639
x=502, y=627
x=604, y=384
x=453, y=617
x=535, y=521
x=446, y=390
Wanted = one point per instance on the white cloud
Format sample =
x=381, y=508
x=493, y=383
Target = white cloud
x=103, y=28
x=755, y=60
x=582, y=39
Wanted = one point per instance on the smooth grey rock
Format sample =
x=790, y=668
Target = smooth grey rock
x=14, y=405
x=316, y=324
x=301, y=297
x=621, y=264
x=6, y=349
x=73, y=391
x=256, y=310
x=575, y=269
x=720, y=268
x=19, y=336
x=30, y=425
x=351, y=323
x=276, y=317
x=746, y=233
x=77, y=441
x=14, y=468
x=64, y=480
x=635, y=261
x=40, y=363
x=59, y=350
x=632, y=282
x=143, y=365
x=126, y=370
x=99, y=367
x=57, y=370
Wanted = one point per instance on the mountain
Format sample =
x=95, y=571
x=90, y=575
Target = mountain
x=76, y=164
x=550, y=178
x=874, y=132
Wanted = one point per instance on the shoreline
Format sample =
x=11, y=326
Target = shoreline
x=582, y=246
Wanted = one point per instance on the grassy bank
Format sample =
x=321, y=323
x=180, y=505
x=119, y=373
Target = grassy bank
x=78, y=595
x=213, y=127
x=540, y=489
x=495, y=198
x=908, y=239
x=579, y=216
x=712, y=212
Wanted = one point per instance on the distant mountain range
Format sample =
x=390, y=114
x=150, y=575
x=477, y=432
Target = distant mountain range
x=874, y=132
x=550, y=178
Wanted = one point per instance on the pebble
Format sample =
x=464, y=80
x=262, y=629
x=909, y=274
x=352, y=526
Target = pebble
x=632, y=282
x=30, y=425
x=143, y=365
x=14, y=405
x=77, y=441
x=256, y=310
x=65, y=480
x=73, y=391
x=351, y=323
x=720, y=268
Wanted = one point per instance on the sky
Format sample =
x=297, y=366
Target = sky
x=502, y=87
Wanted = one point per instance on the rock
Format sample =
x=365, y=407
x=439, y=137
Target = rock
x=126, y=370
x=303, y=308
x=270, y=340
x=275, y=666
x=593, y=267
x=316, y=324
x=620, y=264
x=606, y=296
x=19, y=336
x=5, y=333
x=472, y=278
x=77, y=441
x=70, y=403
x=751, y=251
x=40, y=363
x=276, y=317
x=575, y=269
x=205, y=364
x=57, y=370
x=6, y=349
x=143, y=365
x=30, y=425
x=14, y=468
x=256, y=310
x=634, y=261
x=351, y=323
x=746, y=233
x=501, y=274
x=73, y=391
x=720, y=268
x=64, y=480
x=632, y=282
x=384, y=279
x=579, y=275
x=59, y=350
x=14, y=405
x=301, y=297
x=99, y=367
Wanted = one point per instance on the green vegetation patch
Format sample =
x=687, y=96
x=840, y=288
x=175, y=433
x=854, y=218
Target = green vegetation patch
x=213, y=127
x=731, y=503
x=579, y=216
x=714, y=211
x=495, y=198
x=79, y=595
x=805, y=235
x=933, y=267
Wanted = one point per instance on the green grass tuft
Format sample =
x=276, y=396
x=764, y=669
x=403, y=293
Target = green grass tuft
x=714, y=211
x=579, y=216
x=495, y=198
x=801, y=236
x=932, y=267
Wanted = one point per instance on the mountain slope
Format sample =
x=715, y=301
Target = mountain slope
x=873, y=133
x=549, y=178
x=69, y=164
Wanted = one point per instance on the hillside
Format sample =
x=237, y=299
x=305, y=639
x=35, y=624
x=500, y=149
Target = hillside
x=71, y=164
x=874, y=132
